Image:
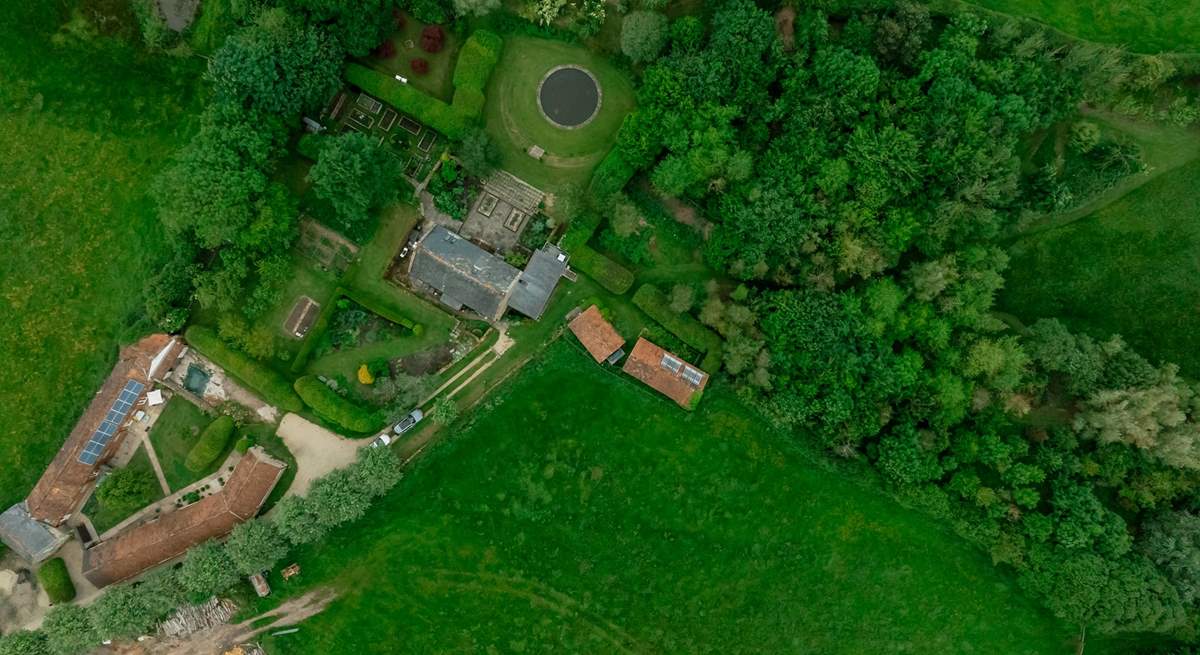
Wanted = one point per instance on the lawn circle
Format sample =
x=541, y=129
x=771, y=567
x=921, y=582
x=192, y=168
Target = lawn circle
x=569, y=96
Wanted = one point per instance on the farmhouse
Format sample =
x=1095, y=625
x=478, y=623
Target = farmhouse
x=463, y=275
x=666, y=373
x=169, y=535
x=598, y=336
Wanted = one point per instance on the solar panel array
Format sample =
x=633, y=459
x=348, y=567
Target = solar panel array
x=670, y=363
x=693, y=376
x=112, y=422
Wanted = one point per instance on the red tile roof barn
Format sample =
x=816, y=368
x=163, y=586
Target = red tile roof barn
x=63, y=485
x=171, y=534
x=665, y=372
x=596, y=334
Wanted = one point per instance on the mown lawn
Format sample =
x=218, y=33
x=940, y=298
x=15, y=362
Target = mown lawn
x=515, y=121
x=177, y=429
x=85, y=127
x=1131, y=268
x=437, y=82
x=578, y=512
x=1148, y=26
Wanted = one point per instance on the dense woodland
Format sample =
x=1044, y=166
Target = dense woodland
x=861, y=170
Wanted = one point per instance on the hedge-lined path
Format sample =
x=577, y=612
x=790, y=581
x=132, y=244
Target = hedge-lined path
x=317, y=450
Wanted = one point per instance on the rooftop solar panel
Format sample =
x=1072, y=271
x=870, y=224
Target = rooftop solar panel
x=693, y=376
x=111, y=423
x=671, y=363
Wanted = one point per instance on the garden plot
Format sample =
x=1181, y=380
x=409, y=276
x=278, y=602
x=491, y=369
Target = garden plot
x=501, y=211
x=410, y=141
x=328, y=248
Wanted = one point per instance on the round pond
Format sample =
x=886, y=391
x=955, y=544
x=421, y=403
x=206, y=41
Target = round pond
x=569, y=96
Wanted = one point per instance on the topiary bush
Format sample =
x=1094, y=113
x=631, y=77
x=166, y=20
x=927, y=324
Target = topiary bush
x=433, y=39
x=56, y=580
x=266, y=383
x=212, y=443
x=419, y=66
x=329, y=405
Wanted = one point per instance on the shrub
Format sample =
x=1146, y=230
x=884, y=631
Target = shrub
x=329, y=405
x=57, y=581
x=267, y=383
x=689, y=330
x=69, y=630
x=244, y=443
x=611, y=175
x=310, y=146
x=419, y=66
x=212, y=443
x=24, y=642
x=606, y=272
x=133, y=608
x=385, y=50
x=433, y=39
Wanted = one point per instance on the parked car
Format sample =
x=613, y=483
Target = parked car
x=384, y=439
x=409, y=421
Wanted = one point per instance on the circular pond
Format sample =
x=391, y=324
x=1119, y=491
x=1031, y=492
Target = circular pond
x=569, y=96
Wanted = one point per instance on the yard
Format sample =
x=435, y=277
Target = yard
x=104, y=517
x=603, y=519
x=84, y=131
x=1147, y=26
x=407, y=44
x=1132, y=268
x=173, y=435
x=515, y=122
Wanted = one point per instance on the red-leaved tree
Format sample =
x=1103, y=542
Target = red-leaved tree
x=419, y=66
x=432, y=39
x=385, y=50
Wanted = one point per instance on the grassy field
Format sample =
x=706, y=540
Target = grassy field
x=579, y=512
x=515, y=122
x=1148, y=26
x=1131, y=268
x=173, y=435
x=103, y=517
x=85, y=127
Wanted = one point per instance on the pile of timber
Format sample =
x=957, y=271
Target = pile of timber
x=190, y=619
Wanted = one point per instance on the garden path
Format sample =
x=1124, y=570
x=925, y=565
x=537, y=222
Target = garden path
x=158, y=472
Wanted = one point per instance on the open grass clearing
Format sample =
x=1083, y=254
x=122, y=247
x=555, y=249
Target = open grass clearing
x=1146, y=26
x=515, y=121
x=85, y=128
x=603, y=519
x=1131, y=268
x=177, y=429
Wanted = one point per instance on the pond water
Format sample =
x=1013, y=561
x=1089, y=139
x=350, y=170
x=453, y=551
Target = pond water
x=569, y=96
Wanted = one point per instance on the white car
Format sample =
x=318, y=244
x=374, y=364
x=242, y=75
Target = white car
x=384, y=439
x=409, y=421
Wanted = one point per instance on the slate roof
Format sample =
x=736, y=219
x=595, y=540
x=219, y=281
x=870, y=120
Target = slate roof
x=463, y=274
x=596, y=334
x=171, y=534
x=33, y=540
x=653, y=365
x=538, y=281
x=63, y=485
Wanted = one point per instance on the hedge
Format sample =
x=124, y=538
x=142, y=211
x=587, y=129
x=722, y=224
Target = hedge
x=476, y=60
x=468, y=102
x=427, y=109
x=689, y=330
x=265, y=382
x=379, y=305
x=329, y=405
x=211, y=444
x=57, y=581
x=606, y=272
x=611, y=175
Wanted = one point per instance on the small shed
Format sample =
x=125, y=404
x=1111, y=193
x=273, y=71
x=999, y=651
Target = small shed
x=259, y=581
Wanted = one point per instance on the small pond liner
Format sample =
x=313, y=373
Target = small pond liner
x=196, y=380
x=569, y=96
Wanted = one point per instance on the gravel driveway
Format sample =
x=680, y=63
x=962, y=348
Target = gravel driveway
x=317, y=450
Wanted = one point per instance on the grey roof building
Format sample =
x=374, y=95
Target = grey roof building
x=463, y=274
x=33, y=540
x=538, y=281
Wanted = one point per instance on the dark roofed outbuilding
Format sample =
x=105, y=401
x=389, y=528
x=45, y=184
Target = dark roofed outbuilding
x=33, y=540
x=538, y=281
x=463, y=274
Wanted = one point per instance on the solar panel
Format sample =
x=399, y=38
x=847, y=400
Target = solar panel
x=111, y=423
x=670, y=363
x=693, y=376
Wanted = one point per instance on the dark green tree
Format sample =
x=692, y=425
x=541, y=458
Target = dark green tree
x=355, y=175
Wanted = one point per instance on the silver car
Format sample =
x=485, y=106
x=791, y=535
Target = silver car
x=409, y=421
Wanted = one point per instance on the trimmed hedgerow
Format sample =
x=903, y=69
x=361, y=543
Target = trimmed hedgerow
x=258, y=378
x=211, y=444
x=611, y=175
x=57, y=581
x=606, y=272
x=476, y=60
x=330, y=406
x=689, y=330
